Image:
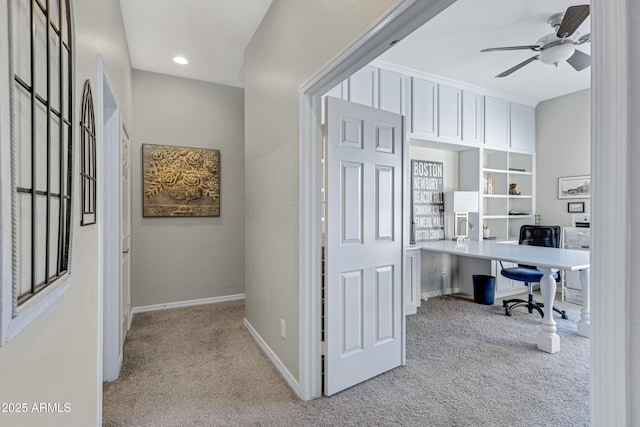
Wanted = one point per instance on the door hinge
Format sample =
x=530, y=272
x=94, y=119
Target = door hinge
x=323, y=348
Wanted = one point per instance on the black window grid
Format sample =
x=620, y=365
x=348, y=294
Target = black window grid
x=64, y=160
x=88, y=155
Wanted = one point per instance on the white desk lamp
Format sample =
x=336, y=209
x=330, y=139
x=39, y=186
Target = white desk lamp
x=461, y=203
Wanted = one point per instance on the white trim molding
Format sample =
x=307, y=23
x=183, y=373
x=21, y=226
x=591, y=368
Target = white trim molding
x=188, y=303
x=288, y=377
x=611, y=366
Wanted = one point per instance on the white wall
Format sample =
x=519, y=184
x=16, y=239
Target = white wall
x=181, y=259
x=563, y=148
x=293, y=41
x=55, y=359
x=634, y=210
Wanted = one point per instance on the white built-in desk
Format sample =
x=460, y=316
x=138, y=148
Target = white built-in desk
x=547, y=260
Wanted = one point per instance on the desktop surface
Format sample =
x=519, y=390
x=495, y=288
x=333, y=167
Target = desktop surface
x=563, y=259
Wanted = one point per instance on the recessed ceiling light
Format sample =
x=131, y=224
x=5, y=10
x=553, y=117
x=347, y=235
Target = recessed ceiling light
x=180, y=60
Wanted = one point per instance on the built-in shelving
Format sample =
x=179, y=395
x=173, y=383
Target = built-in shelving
x=491, y=172
x=504, y=172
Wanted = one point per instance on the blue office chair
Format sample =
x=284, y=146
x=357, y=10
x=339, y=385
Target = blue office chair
x=535, y=235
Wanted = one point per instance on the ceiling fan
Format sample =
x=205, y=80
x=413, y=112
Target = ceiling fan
x=559, y=45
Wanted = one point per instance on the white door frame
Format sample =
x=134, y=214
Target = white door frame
x=609, y=385
x=108, y=128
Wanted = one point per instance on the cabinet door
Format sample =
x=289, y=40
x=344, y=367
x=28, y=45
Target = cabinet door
x=337, y=92
x=391, y=91
x=449, y=112
x=496, y=122
x=523, y=131
x=363, y=88
x=472, y=117
x=411, y=287
x=423, y=107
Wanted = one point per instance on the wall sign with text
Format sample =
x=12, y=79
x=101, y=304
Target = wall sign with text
x=427, y=199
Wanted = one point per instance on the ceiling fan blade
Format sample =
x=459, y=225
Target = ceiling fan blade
x=517, y=67
x=492, y=49
x=573, y=17
x=579, y=60
x=585, y=38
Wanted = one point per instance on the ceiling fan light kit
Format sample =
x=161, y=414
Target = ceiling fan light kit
x=557, y=53
x=558, y=46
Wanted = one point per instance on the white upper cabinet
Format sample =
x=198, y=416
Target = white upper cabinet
x=472, y=117
x=443, y=113
x=337, y=92
x=391, y=91
x=424, y=111
x=523, y=127
x=449, y=113
x=363, y=88
x=509, y=125
x=496, y=122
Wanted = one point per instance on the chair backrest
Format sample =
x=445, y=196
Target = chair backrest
x=540, y=235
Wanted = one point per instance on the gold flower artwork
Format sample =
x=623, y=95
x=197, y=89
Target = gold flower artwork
x=180, y=181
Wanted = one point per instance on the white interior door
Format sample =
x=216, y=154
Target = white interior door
x=364, y=333
x=125, y=225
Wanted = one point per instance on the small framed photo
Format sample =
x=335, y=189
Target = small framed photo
x=574, y=187
x=575, y=207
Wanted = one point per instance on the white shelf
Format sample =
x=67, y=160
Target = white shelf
x=495, y=216
x=495, y=167
x=495, y=170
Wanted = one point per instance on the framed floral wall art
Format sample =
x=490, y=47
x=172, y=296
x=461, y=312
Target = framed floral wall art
x=180, y=181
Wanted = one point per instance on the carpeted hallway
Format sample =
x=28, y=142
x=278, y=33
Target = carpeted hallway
x=467, y=365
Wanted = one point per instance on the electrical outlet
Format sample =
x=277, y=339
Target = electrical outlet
x=283, y=328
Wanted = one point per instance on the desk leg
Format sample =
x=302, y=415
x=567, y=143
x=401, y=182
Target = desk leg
x=548, y=340
x=584, y=324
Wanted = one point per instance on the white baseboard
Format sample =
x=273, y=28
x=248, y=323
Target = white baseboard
x=190, y=303
x=426, y=295
x=290, y=379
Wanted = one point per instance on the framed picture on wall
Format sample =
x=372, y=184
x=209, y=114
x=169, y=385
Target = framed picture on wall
x=574, y=187
x=180, y=181
x=575, y=207
x=427, y=200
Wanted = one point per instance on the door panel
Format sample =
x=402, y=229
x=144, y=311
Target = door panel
x=352, y=200
x=125, y=279
x=363, y=299
x=353, y=307
x=384, y=203
x=384, y=304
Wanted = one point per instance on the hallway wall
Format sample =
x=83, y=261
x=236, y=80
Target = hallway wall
x=293, y=41
x=181, y=259
x=55, y=359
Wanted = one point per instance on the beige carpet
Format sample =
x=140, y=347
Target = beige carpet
x=467, y=365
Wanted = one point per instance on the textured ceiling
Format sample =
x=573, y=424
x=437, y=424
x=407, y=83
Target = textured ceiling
x=449, y=46
x=213, y=34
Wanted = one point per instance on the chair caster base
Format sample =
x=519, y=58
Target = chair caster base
x=531, y=305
